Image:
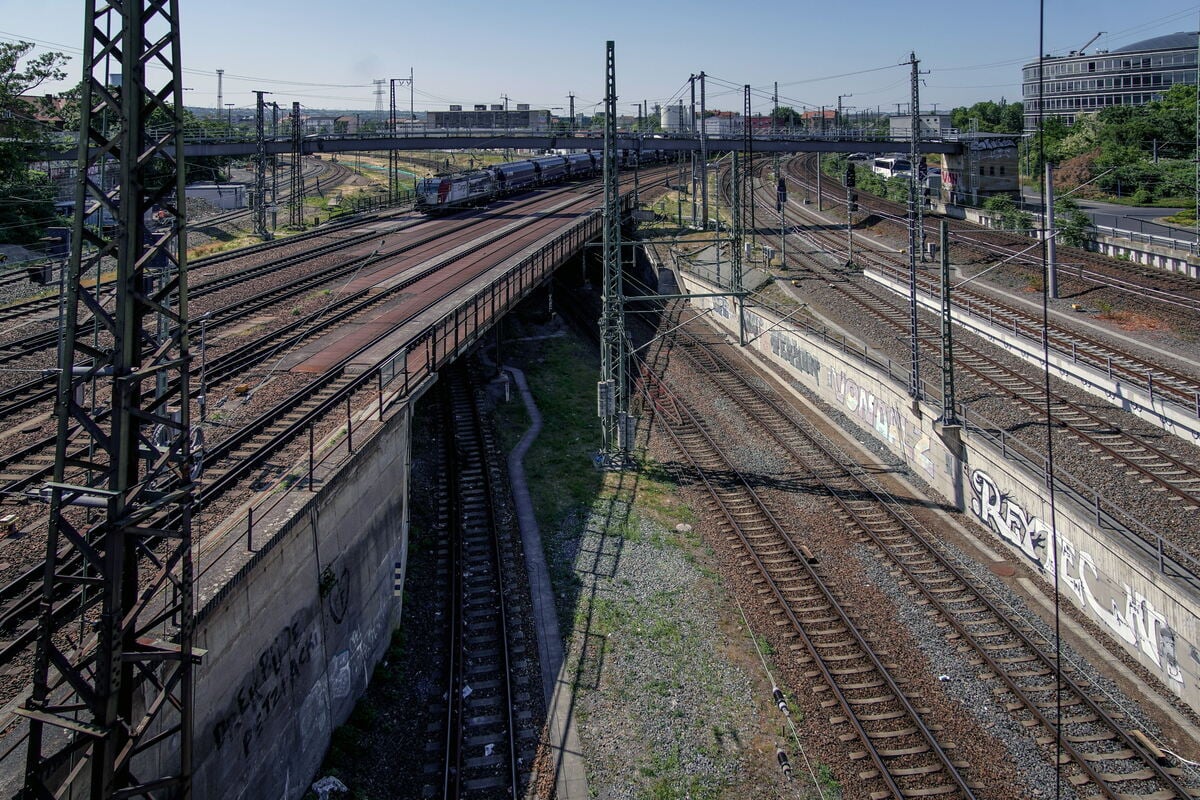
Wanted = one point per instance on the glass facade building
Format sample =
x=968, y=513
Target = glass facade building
x=1132, y=76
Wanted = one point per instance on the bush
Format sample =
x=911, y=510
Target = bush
x=1142, y=196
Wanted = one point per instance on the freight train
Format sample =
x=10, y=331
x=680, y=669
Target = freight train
x=445, y=193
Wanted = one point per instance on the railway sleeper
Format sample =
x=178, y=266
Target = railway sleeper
x=840, y=643
x=842, y=671
x=898, y=752
x=873, y=700
x=892, y=734
x=1041, y=672
x=1122, y=755
x=975, y=609
x=904, y=772
x=1046, y=705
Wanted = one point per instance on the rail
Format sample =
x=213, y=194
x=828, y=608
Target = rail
x=401, y=374
x=1168, y=558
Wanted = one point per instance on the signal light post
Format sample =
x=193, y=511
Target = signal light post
x=781, y=207
x=851, y=206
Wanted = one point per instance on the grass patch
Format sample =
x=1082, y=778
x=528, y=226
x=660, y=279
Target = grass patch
x=1185, y=217
x=559, y=464
x=1162, y=202
x=222, y=246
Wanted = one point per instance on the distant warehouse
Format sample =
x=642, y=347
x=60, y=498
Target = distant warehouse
x=1133, y=75
x=493, y=117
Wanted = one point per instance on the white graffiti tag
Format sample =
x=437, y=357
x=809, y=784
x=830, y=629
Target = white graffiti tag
x=1009, y=521
x=1130, y=615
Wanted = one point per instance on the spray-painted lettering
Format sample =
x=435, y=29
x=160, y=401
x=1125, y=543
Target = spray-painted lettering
x=793, y=353
x=1130, y=615
x=279, y=669
x=889, y=422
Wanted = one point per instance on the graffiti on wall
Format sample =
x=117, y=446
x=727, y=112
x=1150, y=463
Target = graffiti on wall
x=720, y=305
x=889, y=422
x=283, y=666
x=1128, y=614
x=792, y=352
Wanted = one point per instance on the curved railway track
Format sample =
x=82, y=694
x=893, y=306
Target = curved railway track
x=1090, y=741
x=1165, y=383
x=1174, y=476
x=48, y=300
x=1160, y=466
x=907, y=756
x=21, y=468
x=1090, y=269
x=237, y=456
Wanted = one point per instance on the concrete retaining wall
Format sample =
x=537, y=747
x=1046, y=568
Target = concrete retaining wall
x=1153, y=616
x=292, y=645
x=1181, y=421
x=1131, y=246
x=1114, y=580
x=876, y=403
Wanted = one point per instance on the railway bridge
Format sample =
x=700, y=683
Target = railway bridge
x=301, y=566
x=300, y=587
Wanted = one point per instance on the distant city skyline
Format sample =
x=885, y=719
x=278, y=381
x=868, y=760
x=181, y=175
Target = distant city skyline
x=468, y=52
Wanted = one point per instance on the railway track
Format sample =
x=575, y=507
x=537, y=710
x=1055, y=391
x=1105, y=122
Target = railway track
x=1162, y=382
x=908, y=758
x=1161, y=466
x=41, y=390
x=482, y=752
x=235, y=458
x=1177, y=478
x=32, y=308
x=1089, y=269
x=1097, y=753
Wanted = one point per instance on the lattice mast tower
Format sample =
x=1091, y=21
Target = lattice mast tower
x=915, y=231
x=613, y=402
x=111, y=703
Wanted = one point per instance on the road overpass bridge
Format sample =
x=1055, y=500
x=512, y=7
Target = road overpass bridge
x=316, y=144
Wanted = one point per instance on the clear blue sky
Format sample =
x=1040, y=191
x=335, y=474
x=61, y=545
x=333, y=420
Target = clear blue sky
x=325, y=54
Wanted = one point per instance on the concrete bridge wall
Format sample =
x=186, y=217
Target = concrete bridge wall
x=292, y=644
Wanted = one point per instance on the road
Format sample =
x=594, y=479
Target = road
x=1140, y=219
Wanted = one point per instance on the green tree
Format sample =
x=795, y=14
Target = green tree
x=1008, y=216
x=787, y=117
x=1071, y=223
x=26, y=195
x=1049, y=139
x=989, y=117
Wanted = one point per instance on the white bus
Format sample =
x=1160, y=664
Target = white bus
x=892, y=167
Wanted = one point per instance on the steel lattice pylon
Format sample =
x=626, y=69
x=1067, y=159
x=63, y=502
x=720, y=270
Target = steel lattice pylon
x=110, y=710
x=749, y=222
x=915, y=231
x=296, y=200
x=613, y=402
x=259, y=201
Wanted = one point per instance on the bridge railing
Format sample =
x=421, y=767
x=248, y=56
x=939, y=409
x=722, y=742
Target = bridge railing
x=394, y=379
